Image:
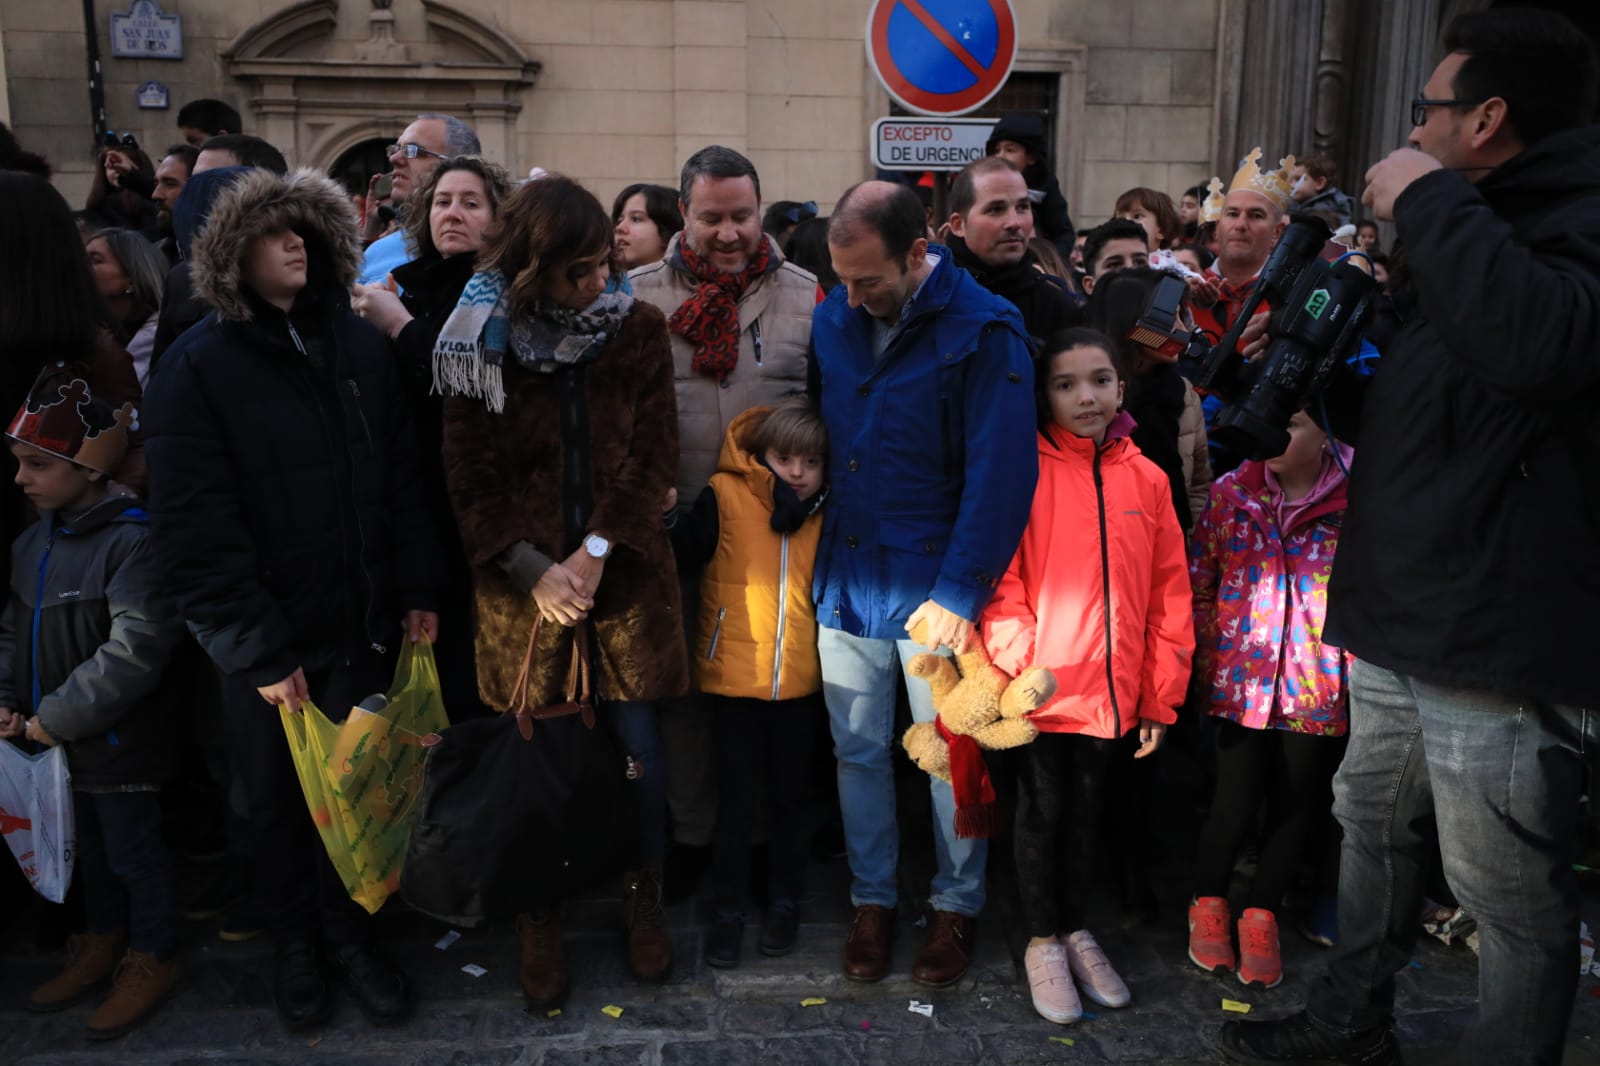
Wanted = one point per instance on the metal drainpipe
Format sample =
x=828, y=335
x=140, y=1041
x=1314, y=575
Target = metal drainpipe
x=97, y=87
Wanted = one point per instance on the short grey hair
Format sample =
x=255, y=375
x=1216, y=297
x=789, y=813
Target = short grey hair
x=716, y=161
x=140, y=260
x=459, y=138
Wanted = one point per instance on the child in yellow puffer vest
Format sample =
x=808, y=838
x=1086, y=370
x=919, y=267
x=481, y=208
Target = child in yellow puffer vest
x=755, y=528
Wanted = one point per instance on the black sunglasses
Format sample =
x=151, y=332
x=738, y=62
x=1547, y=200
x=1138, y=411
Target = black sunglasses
x=1419, y=107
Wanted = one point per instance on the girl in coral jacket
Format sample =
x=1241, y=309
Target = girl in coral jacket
x=1099, y=593
x=1260, y=563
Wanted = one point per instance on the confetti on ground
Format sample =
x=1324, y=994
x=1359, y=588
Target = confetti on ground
x=865, y=1026
x=1235, y=1006
x=1089, y=1017
x=556, y=1013
x=924, y=1009
x=474, y=969
x=1067, y=1040
x=1415, y=965
x=814, y=1001
x=314, y=1042
x=613, y=1012
x=445, y=941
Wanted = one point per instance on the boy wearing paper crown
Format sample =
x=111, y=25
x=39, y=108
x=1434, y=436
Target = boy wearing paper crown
x=84, y=640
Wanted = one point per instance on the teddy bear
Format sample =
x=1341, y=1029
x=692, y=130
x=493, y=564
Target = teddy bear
x=979, y=706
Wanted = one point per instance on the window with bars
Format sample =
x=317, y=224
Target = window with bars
x=1023, y=91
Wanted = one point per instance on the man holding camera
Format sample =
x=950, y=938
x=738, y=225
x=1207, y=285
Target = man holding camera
x=1466, y=575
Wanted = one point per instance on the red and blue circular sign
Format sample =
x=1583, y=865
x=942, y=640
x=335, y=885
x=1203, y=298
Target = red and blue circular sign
x=942, y=57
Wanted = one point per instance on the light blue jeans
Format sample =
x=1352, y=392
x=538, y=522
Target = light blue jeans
x=858, y=683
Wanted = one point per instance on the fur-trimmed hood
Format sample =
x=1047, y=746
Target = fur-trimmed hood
x=261, y=203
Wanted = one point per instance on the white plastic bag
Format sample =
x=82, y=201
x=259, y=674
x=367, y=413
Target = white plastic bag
x=36, y=816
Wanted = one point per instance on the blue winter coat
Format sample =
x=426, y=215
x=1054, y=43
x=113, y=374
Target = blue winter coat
x=932, y=454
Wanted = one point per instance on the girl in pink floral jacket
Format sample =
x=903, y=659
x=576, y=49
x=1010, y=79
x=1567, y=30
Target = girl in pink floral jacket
x=1259, y=564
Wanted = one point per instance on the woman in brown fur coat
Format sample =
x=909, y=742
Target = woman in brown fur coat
x=560, y=444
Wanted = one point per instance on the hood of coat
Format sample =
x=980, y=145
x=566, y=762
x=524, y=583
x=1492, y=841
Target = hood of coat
x=1255, y=488
x=738, y=459
x=109, y=510
x=1058, y=445
x=193, y=206
x=261, y=203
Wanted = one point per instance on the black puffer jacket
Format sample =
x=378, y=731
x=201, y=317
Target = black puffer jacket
x=1468, y=555
x=287, y=509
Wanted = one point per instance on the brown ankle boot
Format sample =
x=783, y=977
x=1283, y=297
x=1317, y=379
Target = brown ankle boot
x=142, y=983
x=91, y=960
x=649, y=944
x=544, y=958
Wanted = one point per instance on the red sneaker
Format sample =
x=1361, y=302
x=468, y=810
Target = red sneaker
x=1260, y=962
x=1211, y=934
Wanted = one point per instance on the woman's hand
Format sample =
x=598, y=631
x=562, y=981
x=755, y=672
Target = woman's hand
x=379, y=303
x=586, y=571
x=116, y=165
x=37, y=734
x=558, y=598
x=1151, y=734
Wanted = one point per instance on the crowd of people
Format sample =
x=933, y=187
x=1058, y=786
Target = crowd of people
x=752, y=463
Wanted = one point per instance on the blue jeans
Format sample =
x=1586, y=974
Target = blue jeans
x=638, y=734
x=1502, y=777
x=858, y=683
x=126, y=870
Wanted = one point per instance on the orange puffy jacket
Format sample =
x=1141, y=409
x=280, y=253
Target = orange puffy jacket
x=1098, y=590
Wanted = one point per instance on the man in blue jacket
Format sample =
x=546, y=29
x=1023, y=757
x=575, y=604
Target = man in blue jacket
x=926, y=386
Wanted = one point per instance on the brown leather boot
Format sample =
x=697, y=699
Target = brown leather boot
x=947, y=952
x=91, y=960
x=142, y=983
x=544, y=958
x=866, y=949
x=649, y=943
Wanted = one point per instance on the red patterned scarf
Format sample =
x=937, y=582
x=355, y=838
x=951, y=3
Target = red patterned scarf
x=977, y=809
x=709, y=318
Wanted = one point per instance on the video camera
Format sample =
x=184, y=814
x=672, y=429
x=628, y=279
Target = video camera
x=1319, y=311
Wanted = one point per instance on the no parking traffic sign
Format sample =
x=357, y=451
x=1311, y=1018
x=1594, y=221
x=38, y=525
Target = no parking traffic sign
x=942, y=57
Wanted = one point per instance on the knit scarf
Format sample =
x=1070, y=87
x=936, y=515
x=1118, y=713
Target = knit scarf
x=469, y=357
x=709, y=318
x=977, y=808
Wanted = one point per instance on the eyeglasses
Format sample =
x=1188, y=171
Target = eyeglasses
x=410, y=151
x=1419, y=108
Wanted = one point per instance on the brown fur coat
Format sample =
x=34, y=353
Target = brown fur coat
x=504, y=473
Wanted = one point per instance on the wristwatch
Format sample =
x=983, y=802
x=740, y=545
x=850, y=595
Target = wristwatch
x=597, y=546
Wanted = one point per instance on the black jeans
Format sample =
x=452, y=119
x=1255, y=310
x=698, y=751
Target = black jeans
x=763, y=752
x=300, y=893
x=126, y=869
x=1296, y=771
x=1061, y=795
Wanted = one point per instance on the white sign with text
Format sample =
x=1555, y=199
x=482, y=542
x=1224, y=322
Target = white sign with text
x=927, y=143
x=144, y=31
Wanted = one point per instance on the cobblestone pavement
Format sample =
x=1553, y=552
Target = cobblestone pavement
x=755, y=1014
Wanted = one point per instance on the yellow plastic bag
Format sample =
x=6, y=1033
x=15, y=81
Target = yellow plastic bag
x=361, y=777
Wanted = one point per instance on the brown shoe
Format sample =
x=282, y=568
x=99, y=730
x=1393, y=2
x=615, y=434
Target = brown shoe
x=649, y=943
x=866, y=949
x=947, y=951
x=544, y=958
x=142, y=983
x=91, y=960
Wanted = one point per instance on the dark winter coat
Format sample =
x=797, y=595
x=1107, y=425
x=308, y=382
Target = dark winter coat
x=284, y=493
x=505, y=476
x=1043, y=300
x=85, y=639
x=1468, y=551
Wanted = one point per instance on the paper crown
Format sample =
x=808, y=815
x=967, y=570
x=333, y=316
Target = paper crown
x=61, y=417
x=1273, y=184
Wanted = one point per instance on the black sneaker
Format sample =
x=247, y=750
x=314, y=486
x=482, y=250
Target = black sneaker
x=299, y=988
x=378, y=986
x=1297, y=1039
x=779, y=927
x=724, y=940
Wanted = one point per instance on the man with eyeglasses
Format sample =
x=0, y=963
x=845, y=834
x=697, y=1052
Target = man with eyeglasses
x=1465, y=581
x=424, y=143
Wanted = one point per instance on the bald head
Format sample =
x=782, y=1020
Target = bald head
x=882, y=209
x=877, y=239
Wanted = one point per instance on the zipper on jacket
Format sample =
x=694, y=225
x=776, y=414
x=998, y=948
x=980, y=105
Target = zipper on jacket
x=716, y=635
x=294, y=335
x=38, y=610
x=783, y=615
x=755, y=339
x=1105, y=591
x=366, y=430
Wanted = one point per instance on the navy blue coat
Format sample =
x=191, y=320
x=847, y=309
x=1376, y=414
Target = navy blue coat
x=932, y=454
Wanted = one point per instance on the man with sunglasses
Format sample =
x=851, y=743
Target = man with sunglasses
x=1465, y=581
x=427, y=141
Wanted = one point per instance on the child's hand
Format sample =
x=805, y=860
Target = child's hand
x=291, y=692
x=1151, y=734
x=11, y=723
x=37, y=734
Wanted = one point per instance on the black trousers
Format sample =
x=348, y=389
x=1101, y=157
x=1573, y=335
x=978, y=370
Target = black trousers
x=1061, y=796
x=1293, y=772
x=763, y=755
x=299, y=891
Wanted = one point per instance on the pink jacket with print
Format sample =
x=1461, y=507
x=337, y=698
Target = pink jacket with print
x=1260, y=601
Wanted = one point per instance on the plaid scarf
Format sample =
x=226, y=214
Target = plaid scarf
x=709, y=318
